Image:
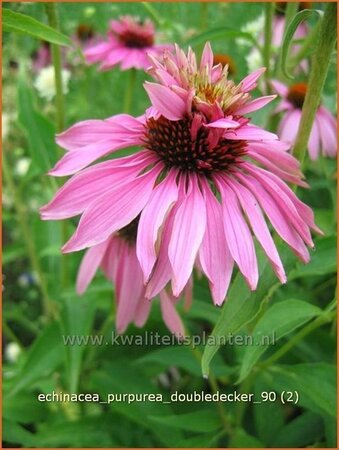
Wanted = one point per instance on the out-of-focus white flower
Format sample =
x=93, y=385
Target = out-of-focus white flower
x=254, y=60
x=254, y=28
x=22, y=166
x=27, y=279
x=45, y=82
x=6, y=124
x=12, y=352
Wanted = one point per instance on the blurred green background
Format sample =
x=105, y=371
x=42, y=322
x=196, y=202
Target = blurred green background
x=35, y=358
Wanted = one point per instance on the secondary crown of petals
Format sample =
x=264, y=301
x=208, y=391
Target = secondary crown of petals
x=186, y=87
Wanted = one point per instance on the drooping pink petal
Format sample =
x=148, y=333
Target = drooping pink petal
x=289, y=126
x=328, y=131
x=89, y=265
x=214, y=255
x=267, y=179
x=85, y=187
x=238, y=236
x=256, y=104
x=274, y=212
x=255, y=217
x=167, y=102
x=97, y=52
x=187, y=234
x=115, y=56
x=151, y=219
x=170, y=315
x=114, y=210
x=314, y=141
x=130, y=289
x=142, y=312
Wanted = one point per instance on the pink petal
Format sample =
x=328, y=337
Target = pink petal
x=142, y=312
x=89, y=265
x=223, y=123
x=170, y=315
x=255, y=217
x=250, y=82
x=280, y=88
x=238, y=235
x=206, y=58
x=289, y=126
x=129, y=289
x=97, y=52
x=85, y=187
x=328, y=131
x=214, y=255
x=115, y=56
x=187, y=234
x=167, y=102
x=267, y=180
x=113, y=210
x=274, y=211
x=256, y=104
x=151, y=219
x=314, y=141
x=249, y=133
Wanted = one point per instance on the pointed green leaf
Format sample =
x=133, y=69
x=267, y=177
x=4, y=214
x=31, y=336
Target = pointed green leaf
x=21, y=23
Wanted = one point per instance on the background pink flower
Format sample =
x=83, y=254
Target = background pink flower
x=128, y=42
x=197, y=183
x=117, y=258
x=323, y=136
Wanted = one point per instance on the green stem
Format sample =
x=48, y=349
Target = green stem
x=318, y=322
x=319, y=69
x=269, y=13
x=53, y=21
x=130, y=90
x=47, y=304
x=308, y=44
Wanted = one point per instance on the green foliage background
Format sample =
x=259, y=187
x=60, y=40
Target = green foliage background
x=300, y=313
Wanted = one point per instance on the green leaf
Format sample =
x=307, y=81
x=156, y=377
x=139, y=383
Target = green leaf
x=20, y=23
x=300, y=432
x=39, y=131
x=300, y=17
x=21, y=408
x=14, y=433
x=268, y=416
x=242, y=439
x=242, y=306
x=76, y=320
x=315, y=384
x=323, y=261
x=45, y=354
x=278, y=321
x=221, y=33
x=204, y=421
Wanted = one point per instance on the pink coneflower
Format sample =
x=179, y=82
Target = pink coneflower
x=129, y=42
x=196, y=182
x=323, y=136
x=117, y=258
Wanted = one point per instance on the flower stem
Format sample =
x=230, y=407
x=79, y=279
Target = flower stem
x=319, y=69
x=130, y=90
x=269, y=12
x=291, y=11
x=47, y=305
x=53, y=21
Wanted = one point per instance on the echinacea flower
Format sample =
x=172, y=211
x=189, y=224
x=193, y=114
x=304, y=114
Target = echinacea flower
x=129, y=41
x=118, y=259
x=323, y=138
x=201, y=183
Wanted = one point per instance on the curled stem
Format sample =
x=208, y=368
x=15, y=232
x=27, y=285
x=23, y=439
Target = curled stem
x=320, y=64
